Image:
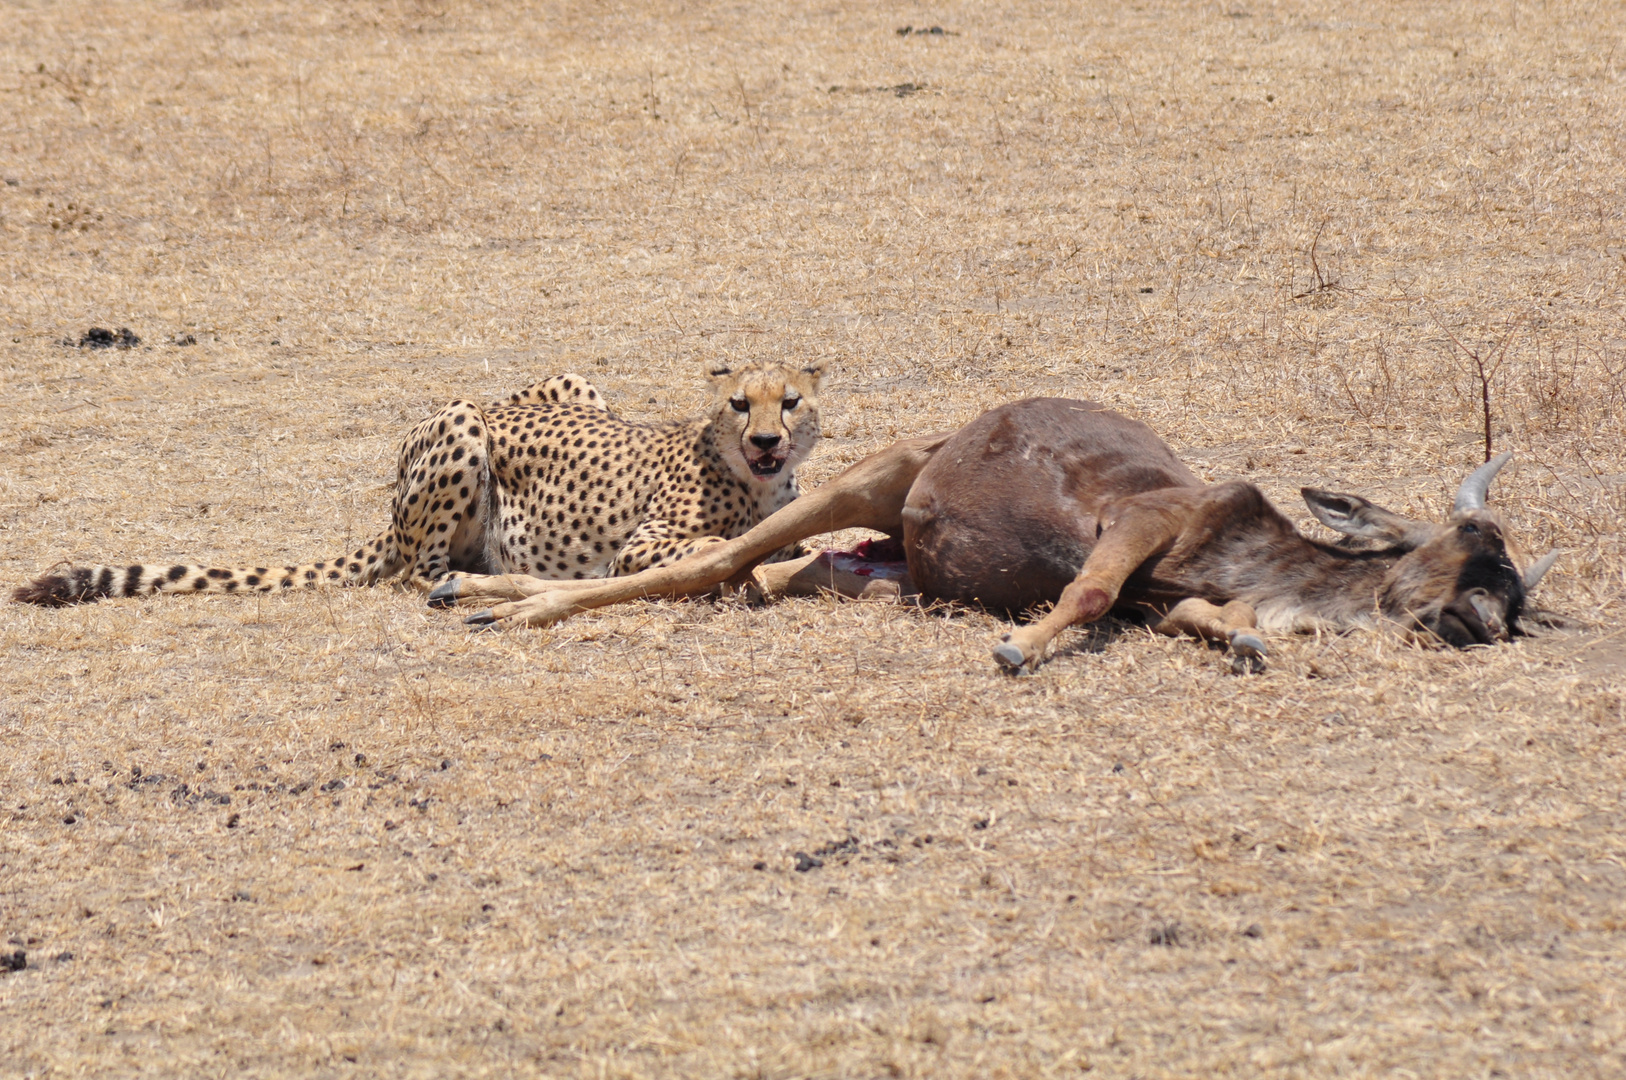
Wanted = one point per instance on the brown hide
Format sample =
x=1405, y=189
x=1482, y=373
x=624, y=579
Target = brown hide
x=1006, y=511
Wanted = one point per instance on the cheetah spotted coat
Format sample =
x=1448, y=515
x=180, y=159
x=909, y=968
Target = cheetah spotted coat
x=548, y=483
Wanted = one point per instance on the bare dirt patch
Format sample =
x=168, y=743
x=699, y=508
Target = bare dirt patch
x=316, y=834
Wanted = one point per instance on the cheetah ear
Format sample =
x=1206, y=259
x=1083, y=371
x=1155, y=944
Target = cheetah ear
x=816, y=369
x=717, y=370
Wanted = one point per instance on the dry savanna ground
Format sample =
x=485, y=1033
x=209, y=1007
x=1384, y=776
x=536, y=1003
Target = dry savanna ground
x=335, y=834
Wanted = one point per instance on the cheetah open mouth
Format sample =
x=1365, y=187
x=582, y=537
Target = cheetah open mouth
x=765, y=467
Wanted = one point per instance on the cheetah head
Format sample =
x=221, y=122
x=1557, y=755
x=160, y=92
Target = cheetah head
x=766, y=416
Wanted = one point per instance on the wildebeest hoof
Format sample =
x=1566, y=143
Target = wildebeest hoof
x=1248, y=645
x=1247, y=653
x=444, y=595
x=481, y=619
x=1010, y=656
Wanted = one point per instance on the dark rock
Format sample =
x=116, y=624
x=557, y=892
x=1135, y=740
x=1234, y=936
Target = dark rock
x=99, y=338
x=848, y=846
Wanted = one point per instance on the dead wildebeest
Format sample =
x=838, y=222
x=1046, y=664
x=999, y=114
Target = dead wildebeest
x=1050, y=500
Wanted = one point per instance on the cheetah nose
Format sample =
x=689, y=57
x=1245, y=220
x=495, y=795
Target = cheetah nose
x=764, y=442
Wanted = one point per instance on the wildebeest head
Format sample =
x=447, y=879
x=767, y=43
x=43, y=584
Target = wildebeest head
x=1457, y=581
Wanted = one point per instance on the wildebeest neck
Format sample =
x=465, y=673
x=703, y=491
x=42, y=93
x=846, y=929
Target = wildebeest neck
x=1238, y=546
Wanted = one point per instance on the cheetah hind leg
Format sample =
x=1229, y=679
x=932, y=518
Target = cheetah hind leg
x=442, y=496
x=452, y=589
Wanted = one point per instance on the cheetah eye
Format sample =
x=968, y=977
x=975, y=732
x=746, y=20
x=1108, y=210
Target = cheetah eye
x=791, y=401
x=739, y=404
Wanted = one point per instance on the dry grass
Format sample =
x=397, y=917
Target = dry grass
x=1370, y=860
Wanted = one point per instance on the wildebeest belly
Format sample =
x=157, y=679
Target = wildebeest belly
x=1006, y=511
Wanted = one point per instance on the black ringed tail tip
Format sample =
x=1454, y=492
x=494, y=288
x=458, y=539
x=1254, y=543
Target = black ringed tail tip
x=49, y=590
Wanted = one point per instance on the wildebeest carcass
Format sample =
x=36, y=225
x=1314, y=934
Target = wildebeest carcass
x=1054, y=500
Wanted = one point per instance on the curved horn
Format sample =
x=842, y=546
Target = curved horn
x=1471, y=495
x=1538, y=569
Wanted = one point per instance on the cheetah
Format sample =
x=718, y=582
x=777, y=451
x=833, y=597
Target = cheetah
x=548, y=484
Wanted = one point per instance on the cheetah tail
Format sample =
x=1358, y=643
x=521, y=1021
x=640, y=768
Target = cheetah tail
x=68, y=584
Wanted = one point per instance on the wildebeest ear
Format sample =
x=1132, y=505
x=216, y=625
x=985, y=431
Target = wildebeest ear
x=1354, y=516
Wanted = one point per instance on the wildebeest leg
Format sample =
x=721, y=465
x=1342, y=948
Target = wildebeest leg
x=1145, y=527
x=475, y=588
x=806, y=576
x=869, y=495
x=817, y=573
x=1229, y=624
